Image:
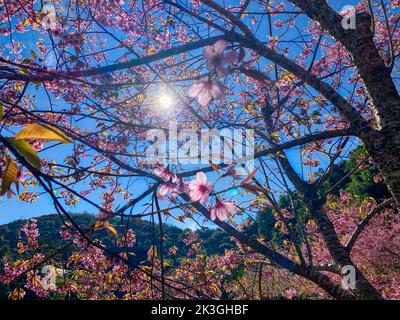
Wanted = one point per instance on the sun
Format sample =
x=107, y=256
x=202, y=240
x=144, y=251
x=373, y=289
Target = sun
x=166, y=101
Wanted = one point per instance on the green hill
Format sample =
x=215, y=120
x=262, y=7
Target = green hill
x=146, y=233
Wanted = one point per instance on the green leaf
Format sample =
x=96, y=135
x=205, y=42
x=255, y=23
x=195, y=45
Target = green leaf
x=1, y=110
x=9, y=176
x=27, y=151
x=42, y=132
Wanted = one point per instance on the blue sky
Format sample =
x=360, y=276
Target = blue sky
x=12, y=209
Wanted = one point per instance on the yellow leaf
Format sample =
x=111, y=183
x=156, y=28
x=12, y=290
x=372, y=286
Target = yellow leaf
x=214, y=288
x=9, y=176
x=147, y=269
x=112, y=230
x=152, y=252
x=275, y=135
x=202, y=277
x=150, y=50
x=21, y=247
x=26, y=22
x=34, y=54
x=278, y=225
x=98, y=225
x=27, y=61
x=42, y=132
x=280, y=154
x=140, y=97
x=27, y=151
x=249, y=177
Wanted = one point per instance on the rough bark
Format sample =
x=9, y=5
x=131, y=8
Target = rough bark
x=364, y=289
x=384, y=148
x=382, y=140
x=315, y=203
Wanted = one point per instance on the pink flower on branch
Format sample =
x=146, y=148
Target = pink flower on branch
x=165, y=188
x=206, y=89
x=221, y=209
x=200, y=189
x=164, y=173
x=174, y=187
x=216, y=59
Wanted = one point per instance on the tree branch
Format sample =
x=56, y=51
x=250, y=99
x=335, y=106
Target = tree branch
x=361, y=226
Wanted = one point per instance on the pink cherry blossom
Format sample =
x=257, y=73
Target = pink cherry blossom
x=221, y=209
x=216, y=59
x=164, y=189
x=21, y=174
x=175, y=186
x=206, y=89
x=164, y=173
x=200, y=189
x=180, y=187
x=130, y=239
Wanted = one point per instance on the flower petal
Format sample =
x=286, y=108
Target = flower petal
x=229, y=205
x=201, y=177
x=220, y=46
x=203, y=198
x=194, y=185
x=163, y=190
x=195, y=195
x=204, y=98
x=230, y=57
x=222, y=71
x=213, y=214
x=210, y=53
x=222, y=214
x=196, y=89
x=217, y=90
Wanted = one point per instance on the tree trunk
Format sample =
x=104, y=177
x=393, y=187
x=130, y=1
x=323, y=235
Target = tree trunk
x=384, y=148
x=364, y=289
x=382, y=143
